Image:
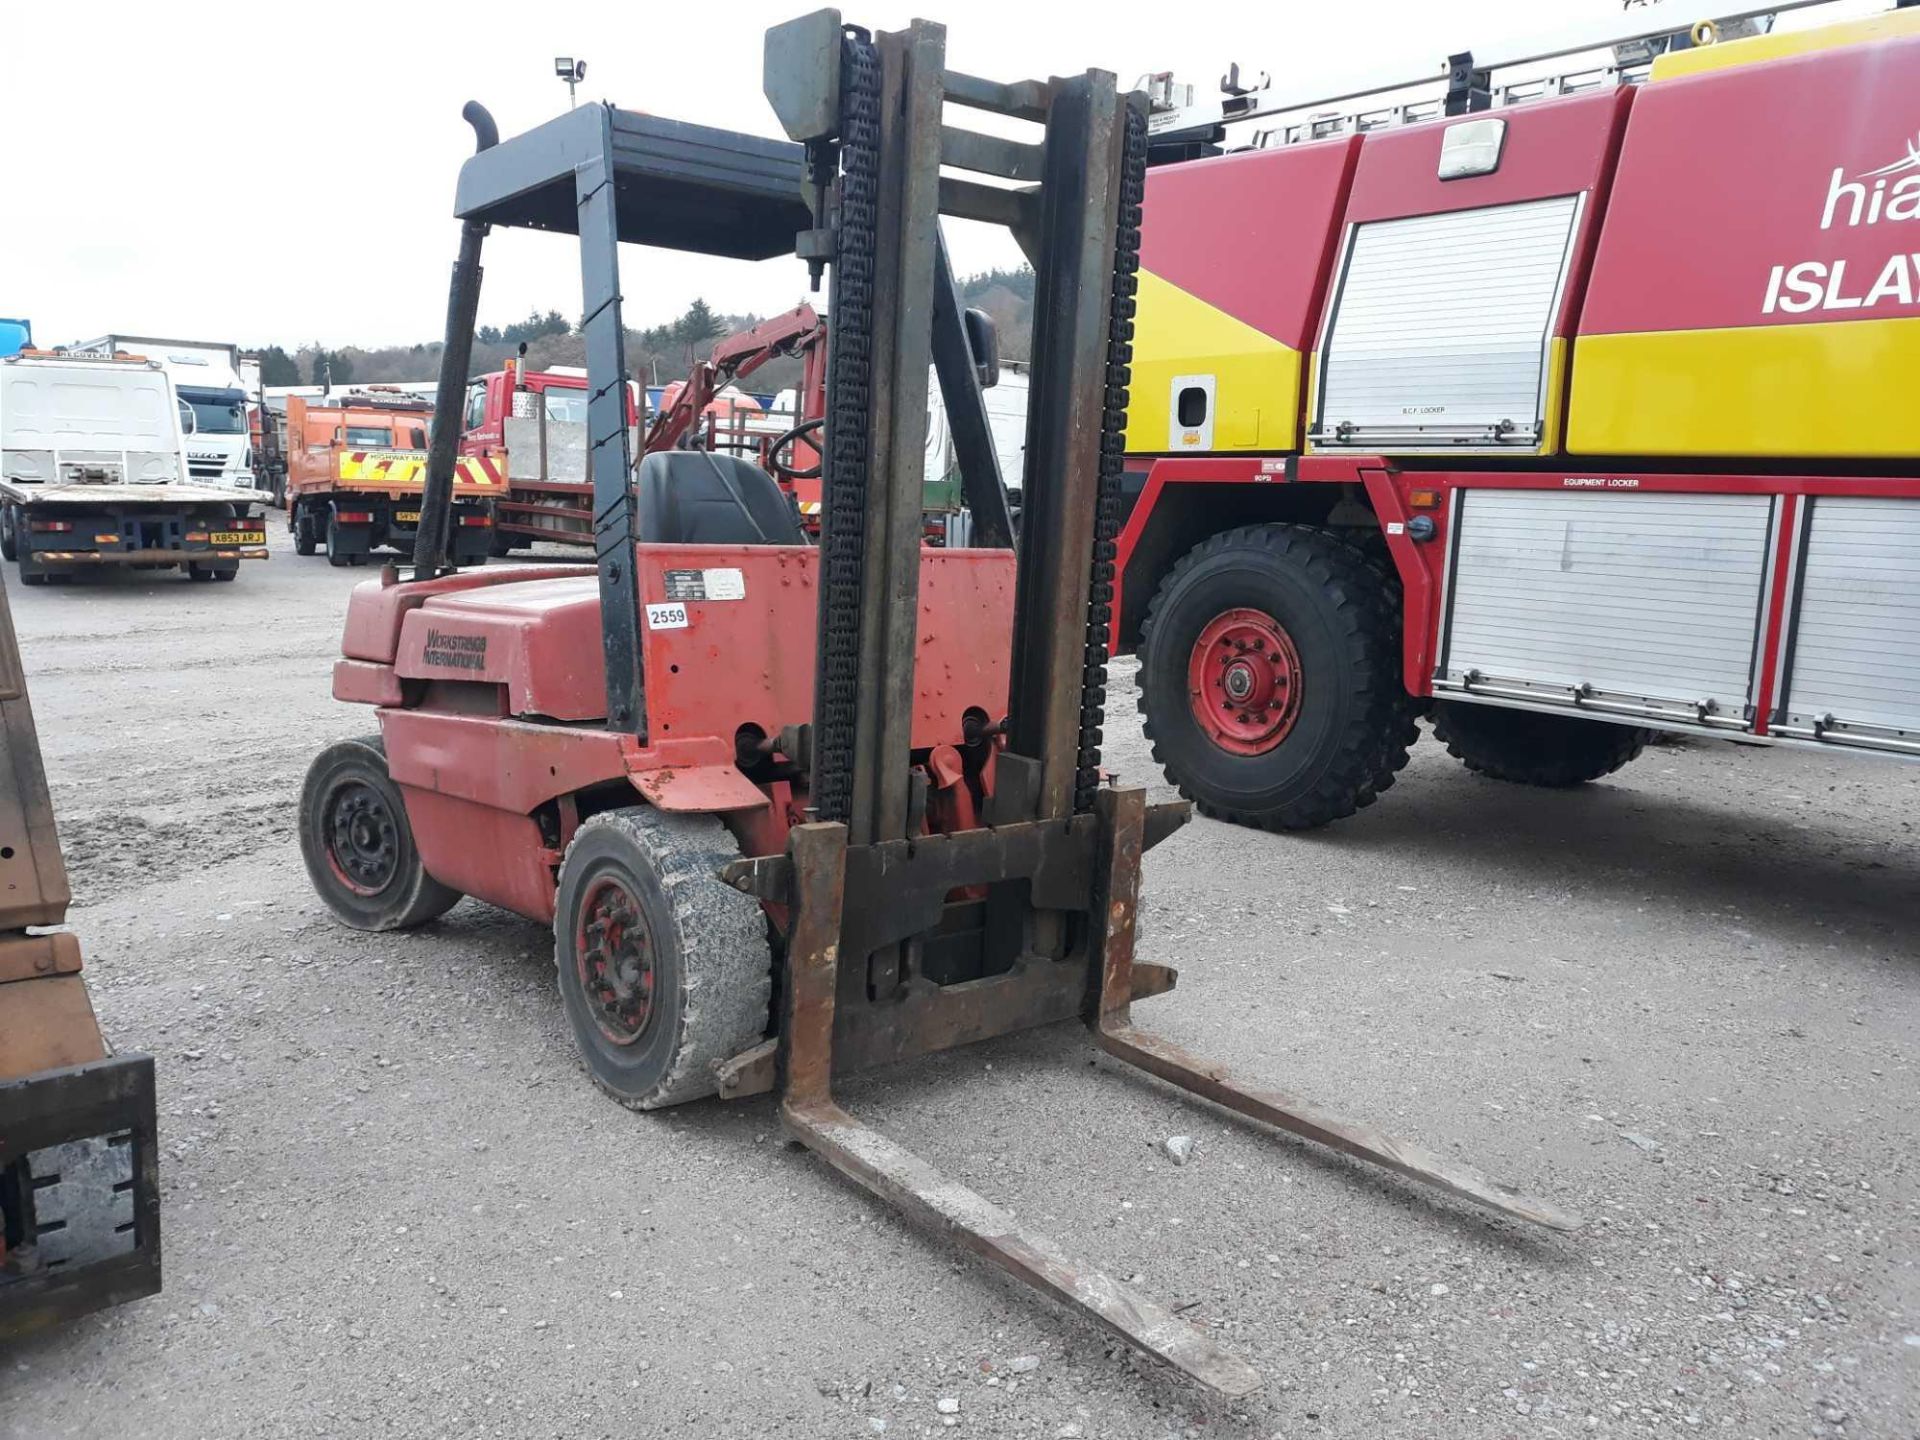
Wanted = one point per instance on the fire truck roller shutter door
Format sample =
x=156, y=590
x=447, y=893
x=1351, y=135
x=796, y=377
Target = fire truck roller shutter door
x=1441, y=330
x=1856, y=643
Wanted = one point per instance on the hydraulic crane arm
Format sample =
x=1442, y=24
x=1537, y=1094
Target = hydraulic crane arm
x=734, y=358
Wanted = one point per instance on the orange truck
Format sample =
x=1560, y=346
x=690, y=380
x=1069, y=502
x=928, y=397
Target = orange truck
x=356, y=465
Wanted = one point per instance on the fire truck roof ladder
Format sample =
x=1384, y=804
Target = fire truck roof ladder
x=1184, y=126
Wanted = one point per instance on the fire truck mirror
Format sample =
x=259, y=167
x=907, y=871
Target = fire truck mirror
x=983, y=343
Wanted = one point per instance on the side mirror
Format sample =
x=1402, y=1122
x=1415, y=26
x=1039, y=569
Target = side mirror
x=983, y=343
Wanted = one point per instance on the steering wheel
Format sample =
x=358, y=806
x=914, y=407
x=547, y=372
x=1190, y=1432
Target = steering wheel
x=799, y=432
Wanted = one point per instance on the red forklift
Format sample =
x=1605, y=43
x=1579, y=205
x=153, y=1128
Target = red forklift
x=797, y=811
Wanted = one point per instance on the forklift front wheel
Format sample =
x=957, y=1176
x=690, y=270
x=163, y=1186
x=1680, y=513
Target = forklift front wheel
x=664, y=971
x=358, y=845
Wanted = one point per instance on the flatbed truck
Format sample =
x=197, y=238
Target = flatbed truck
x=93, y=475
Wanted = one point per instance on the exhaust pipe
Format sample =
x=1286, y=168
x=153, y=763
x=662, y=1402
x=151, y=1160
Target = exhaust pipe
x=431, y=545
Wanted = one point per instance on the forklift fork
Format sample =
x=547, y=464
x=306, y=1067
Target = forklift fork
x=817, y=858
x=901, y=1178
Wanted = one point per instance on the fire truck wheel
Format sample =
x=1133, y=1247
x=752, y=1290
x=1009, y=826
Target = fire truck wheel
x=358, y=845
x=1527, y=748
x=664, y=971
x=1270, y=677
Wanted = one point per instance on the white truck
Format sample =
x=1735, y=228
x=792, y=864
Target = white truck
x=94, y=473
x=212, y=383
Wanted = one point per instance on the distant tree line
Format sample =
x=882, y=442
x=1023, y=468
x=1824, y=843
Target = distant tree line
x=657, y=354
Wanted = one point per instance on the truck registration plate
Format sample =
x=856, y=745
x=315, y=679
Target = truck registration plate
x=237, y=537
x=406, y=517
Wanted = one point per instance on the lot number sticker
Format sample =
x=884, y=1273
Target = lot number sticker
x=670, y=616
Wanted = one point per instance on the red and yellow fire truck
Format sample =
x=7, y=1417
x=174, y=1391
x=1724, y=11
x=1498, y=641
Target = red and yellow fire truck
x=1570, y=421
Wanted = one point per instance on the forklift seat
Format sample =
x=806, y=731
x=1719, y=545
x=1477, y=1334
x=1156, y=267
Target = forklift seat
x=698, y=497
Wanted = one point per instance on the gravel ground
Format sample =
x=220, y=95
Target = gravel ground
x=1683, y=1002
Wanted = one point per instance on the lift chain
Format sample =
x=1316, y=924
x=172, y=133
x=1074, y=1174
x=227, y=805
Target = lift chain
x=1113, y=425
x=843, y=509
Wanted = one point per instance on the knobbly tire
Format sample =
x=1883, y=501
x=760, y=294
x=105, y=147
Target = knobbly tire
x=358, y=846
x=1270, y=677
x=1525, y=747
x=663, y=971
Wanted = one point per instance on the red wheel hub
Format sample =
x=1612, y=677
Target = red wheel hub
x=614, y=952
x=1243, y=681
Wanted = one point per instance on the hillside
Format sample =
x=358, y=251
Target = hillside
x=659, y=355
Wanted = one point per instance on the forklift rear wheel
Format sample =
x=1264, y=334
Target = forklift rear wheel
x=1270, y=678
x=663, y=970
x=358, y=845
x=1528, y=748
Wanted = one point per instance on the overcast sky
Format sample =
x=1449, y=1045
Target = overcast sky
x=268, y=173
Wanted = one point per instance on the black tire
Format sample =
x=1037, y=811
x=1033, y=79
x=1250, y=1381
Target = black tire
x=1354, y=721
x=228, y=576
x=9, y=533
x=358, y=845
x=1528, y=748
x=304, y=542
x=703, y=944
x=334, y=557
x=31, y=574
x=199, y=572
